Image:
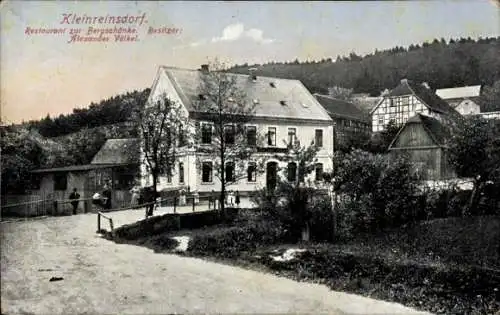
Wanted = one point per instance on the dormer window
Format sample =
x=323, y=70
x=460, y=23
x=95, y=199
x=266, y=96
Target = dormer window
x=272, y=84
x=256, y=101
x=283, y=103
x=230, y=99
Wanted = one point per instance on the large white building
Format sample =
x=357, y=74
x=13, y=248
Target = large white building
x=285, y=110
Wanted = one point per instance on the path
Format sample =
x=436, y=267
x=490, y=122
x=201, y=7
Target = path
x=103, y=277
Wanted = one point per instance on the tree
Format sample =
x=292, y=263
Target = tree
x=164, y=129
x=340, y=93
x=380, y=141
x=223, y=111
x=295, y=213
x=490, y=98
x=475, y=153
x=19, y=155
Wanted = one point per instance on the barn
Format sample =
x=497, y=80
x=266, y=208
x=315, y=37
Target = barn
x=424, y=141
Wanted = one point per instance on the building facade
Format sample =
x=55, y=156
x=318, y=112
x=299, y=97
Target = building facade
x=407, y=100
x=462, y=99
x=115, y=164
x=285, y=112
x=350, y=123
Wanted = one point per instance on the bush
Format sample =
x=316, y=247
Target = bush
x=433, y=288
x=381, y=195
x=231, y=242
x=322, y=220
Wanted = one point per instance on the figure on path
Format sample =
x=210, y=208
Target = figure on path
x=134, y=201
x=107, y=194
x=74, y=196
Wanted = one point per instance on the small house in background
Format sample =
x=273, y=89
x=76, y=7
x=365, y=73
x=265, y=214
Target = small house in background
x=117, y=163
x=408, y=99
x=463, y=99
x=350, y=123
x=424, y=141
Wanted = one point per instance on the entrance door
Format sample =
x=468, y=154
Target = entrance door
x=271, y=175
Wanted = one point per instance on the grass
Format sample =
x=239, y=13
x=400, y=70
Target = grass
x=446, y=266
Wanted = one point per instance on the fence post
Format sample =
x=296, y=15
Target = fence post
x=193, y=204
x=175, y=204
x=98, y=222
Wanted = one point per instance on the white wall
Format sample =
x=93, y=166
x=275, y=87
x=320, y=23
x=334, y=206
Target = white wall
x=401, y=112
x=192, y=175
x=468, y=107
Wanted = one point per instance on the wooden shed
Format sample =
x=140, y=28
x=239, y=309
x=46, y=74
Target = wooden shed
x=424, y=140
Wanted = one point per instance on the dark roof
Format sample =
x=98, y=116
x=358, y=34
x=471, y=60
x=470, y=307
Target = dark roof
x=118, y=151
x=266, y=92
x=341, y=108
x=434, y=102
x=438, y=131
x=73, y=168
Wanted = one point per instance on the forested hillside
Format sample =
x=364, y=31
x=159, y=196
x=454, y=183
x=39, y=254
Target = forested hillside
x=440, y=63
x=116, y=109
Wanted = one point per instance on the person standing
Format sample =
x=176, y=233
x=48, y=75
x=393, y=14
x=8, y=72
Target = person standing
x=211, y=197
x=74, y=196
x=134, y=201
x=237, y=199
x=107, y=195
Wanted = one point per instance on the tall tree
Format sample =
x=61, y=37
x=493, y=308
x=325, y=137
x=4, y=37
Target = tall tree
x=223, y=111
x=475, y=153
x=164, y=129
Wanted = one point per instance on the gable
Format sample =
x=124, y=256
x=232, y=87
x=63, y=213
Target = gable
x=468, y=107
x=413, y=135
x=118, y=152
x=163, y=85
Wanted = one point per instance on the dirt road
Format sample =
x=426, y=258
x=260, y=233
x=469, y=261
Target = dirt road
x=102, y=277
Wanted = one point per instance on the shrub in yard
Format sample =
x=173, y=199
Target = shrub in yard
x=382, y=193
x=231, y=242
x=148, y=227
x=321, y=220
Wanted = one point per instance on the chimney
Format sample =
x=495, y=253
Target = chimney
x=204, y=68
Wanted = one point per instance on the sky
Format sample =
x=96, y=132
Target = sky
x=44, y=74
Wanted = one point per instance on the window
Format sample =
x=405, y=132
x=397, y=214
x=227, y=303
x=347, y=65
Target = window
x=60, y=181
x=381, y=121
x=229, y=172
x=181, y=173
x=392, y=103
x=206, y=133
x=252, y=135
x=318, y=138
x=229, y=134
x=292, y=136
x=271, y=136
x=319, y=172
x=292, y=172
x=405, y=100
x=206, y=172
x=252, y=172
